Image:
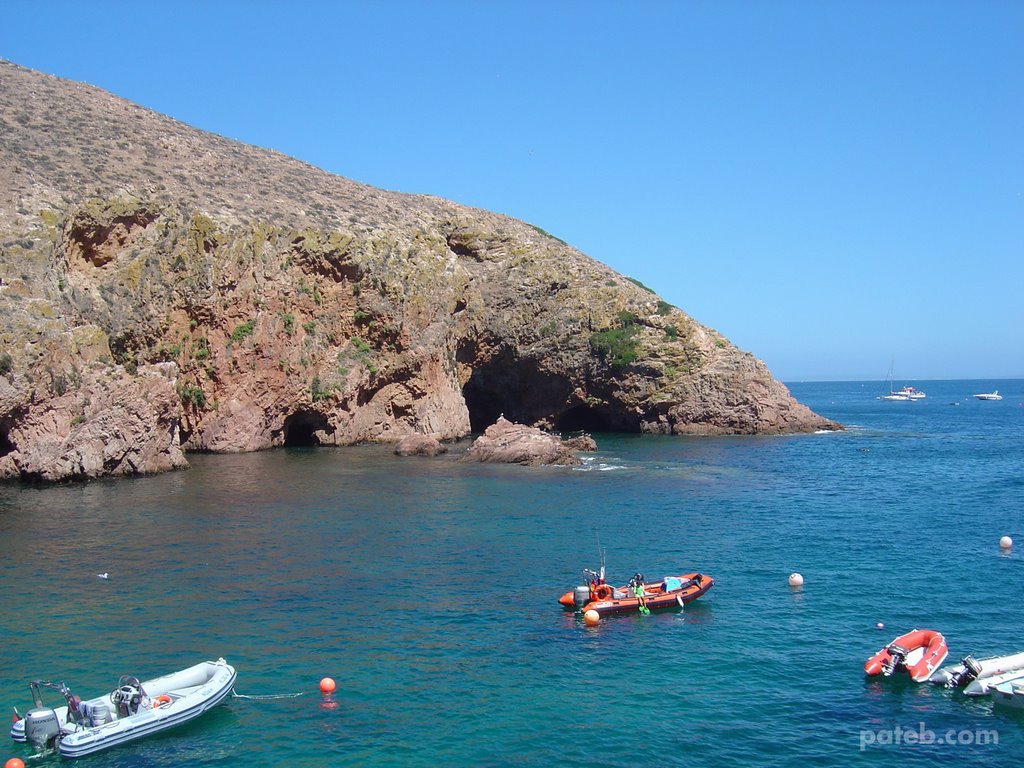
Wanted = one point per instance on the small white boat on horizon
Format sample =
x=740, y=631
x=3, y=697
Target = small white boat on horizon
x=132, y=710
x=905, y=393
x=993, y=395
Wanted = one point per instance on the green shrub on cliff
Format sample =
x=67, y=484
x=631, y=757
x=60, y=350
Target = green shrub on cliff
x=618, y=346
x=192, y=395
x=243, y=330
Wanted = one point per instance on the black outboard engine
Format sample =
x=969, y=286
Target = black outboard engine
x=127, y=696
x=897, y=656
x=971, y=670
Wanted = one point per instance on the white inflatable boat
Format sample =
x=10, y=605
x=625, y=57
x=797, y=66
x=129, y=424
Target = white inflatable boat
x=131, y=711
x=983, y=686
x=970, y=671
x=1009, y=693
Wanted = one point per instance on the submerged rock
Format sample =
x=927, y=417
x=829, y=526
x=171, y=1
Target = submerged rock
x=420, y=445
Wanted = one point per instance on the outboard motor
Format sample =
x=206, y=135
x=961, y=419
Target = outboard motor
x=581, y=593
x=971, y=670
x=41, y=727
x=897, y=656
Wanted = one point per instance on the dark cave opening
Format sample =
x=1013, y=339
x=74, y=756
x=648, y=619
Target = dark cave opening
x=486, y=402
x=301, y=427
x=526, y=391
x=507, y=385
x=582, y=418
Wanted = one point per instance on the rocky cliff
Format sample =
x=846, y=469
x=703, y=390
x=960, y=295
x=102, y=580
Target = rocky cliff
x=167, y=290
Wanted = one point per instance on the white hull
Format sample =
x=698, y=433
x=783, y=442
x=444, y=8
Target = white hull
x=907, y=393
x=984, y=685
x=168, y=701
x=1010, y=694
x=994, y=665
x=989, y=396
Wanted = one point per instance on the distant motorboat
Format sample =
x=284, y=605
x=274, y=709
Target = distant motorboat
x=905, y=393
x=911, y=393
x=993, y=395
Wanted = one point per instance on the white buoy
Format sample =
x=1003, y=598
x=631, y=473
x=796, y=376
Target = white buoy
x=880, y=625
x=591, y=618
x=796, y=580
x=103, y=575
x=1005, y=543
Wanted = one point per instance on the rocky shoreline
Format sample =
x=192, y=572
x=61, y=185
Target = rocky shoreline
x=164, y=290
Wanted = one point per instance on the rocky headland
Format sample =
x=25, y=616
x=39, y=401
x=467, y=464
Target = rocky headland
x=166, y=290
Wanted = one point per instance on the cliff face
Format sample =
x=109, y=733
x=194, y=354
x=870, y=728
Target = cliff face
x=166, y=289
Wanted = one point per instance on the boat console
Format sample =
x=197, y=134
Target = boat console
x=127, y=696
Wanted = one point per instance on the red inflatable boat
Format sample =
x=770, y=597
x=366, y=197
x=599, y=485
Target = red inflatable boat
x=920, y=652
x=672, y=591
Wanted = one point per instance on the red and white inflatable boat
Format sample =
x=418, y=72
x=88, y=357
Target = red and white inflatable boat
x=919, y=652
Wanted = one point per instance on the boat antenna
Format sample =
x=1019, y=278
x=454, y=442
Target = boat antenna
x=600, y=553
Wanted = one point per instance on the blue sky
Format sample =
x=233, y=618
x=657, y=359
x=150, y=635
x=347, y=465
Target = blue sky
x=835, y=186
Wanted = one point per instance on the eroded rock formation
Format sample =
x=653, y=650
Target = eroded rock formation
x=289, y=306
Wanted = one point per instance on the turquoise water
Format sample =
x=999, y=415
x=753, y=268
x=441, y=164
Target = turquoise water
x=427, y=588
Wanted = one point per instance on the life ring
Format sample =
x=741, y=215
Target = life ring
x=603, y=592
x=162, y=699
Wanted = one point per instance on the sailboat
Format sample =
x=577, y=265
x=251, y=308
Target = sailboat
x=905, y=393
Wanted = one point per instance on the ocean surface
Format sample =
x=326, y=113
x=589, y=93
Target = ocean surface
x=427, y=589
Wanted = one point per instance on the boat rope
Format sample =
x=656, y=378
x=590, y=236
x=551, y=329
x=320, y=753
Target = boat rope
x=264, y=697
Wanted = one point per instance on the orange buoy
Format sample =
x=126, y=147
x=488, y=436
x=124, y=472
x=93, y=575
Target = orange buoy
x=591, y=618
x=327, y=685
x=14, y=762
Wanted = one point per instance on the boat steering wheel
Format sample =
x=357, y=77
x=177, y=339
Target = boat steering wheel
x=128, y=689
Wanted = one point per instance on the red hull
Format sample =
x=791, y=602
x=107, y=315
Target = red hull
x=895, y=655
x=656, y=596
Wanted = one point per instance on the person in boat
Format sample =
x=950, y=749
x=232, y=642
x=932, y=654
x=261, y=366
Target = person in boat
x=637, y=583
